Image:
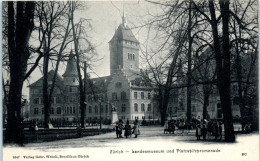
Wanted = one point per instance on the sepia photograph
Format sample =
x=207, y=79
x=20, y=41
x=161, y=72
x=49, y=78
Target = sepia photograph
x=137, y=80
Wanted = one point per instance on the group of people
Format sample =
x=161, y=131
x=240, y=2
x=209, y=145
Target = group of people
x=204, y=128
x=128, y=129
x=213, y=128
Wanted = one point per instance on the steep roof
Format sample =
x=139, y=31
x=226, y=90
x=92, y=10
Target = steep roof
x=39, y=82
x=124, y=33
x=98, y=85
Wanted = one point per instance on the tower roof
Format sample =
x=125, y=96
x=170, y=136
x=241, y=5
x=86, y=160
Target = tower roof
x=71, y=69
x=124, y=33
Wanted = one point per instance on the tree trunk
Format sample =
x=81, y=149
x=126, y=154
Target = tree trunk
x=205, y=103
x=81, y=87
x=223, y=66
x=19, y=33
x=45, y=95
x=224, y=82
x=189, y=68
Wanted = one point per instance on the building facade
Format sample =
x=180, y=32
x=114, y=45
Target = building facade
x=123, y=91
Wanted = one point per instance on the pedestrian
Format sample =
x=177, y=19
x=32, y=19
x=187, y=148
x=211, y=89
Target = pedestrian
x=220, y=130
x=215, y=129
x=120, y=128
x=204, y=131
x=166, y=126
x=127, y=129
x=79, y=131
x=117, y=130
x=198, y=131
x=136, y=129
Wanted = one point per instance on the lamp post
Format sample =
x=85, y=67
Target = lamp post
x=100, y=123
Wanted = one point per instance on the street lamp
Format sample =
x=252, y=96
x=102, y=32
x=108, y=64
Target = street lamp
x=100, y=123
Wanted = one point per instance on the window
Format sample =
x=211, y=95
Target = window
x=128, y=56
x=136, y=107
x=43, y=110
x=52, y=110
x=58, y=110
x=133, y=57
x=193, y=108
x=142, y=107
x=96, y=109
x=41, y=101
x=149, y=95
x=95, y=97
x=36, y=101
x=53, y=100
x=35, y=111
x=70, y=110
x=118, y=85
x=73, y=80
x=101, y=98
x=74, y=110
x=149, y=107
x=58, y=100
x=123, y=107
x=90, y=109
x=142, y=95
x=89, y=98
x=114, y=96
x=106, y=108
x=72, y=99
x=135, y=95
x=123, y=95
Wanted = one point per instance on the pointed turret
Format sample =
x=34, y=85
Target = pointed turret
x=70, y=75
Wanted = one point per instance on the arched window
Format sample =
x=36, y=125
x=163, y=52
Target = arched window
x=136, y=107
x=133, y=56
x=142, y=107
x=149, y=107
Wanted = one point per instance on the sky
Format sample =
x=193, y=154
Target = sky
x=105, y=17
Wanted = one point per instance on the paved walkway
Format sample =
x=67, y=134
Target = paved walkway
x=108, y=147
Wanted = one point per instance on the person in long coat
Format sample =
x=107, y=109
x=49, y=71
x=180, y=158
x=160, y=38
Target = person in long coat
x=136, y=129
x=120, y=128
x=204, y=131
x=198, y=131
x=166, y=126
x=127, y=129
x=215, y=129
x=220, y=130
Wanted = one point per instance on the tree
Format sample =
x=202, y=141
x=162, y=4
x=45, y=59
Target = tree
x=82, y=52
x=20, y=26
x=53, y=25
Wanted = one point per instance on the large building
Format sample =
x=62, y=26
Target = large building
x=123, y=91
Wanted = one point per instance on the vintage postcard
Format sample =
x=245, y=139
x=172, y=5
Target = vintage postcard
x=130, y=80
